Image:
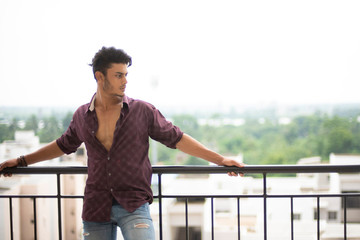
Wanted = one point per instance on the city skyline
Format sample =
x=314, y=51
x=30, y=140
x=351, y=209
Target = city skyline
x=323, y=188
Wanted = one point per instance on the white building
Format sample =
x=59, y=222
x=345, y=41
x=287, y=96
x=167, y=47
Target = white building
x=46, y=214
x=199, y=209
x=252, y=209
x=25, y=142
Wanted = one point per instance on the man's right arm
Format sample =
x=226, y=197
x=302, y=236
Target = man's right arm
x=47, y=152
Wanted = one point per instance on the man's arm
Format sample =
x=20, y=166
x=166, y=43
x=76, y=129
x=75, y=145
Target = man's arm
x=47, y=152
x=189, y=145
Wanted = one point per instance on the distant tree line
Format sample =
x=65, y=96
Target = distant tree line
x=268, y=142
x=260, y=142
x=48, y=128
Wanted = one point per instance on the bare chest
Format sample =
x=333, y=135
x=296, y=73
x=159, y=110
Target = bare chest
x=107, y=124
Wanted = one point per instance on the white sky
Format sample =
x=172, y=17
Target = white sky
x=184, y=52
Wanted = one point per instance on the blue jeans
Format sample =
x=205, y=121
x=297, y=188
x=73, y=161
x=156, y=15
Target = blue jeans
x=135, y=225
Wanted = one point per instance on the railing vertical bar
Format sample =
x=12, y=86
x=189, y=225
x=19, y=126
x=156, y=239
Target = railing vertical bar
x=160, y=207
x=35, y=220
x=238, y=216
x=11, y=219
x=318, y=217
x=212, y=219
x=292, y=217
x=187, y=219
x=266, y=195
x=59, y=205
x=265, y=205
x=345, y=216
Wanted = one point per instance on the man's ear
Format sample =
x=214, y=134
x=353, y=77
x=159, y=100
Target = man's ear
x=99, y=76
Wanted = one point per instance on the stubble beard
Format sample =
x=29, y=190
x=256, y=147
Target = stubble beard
x=107, y=87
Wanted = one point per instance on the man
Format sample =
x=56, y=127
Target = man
x=116, y=129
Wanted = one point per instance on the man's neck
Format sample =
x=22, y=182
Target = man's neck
x=107, y=102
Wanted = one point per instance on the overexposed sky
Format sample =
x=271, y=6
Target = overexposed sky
x=198, y=52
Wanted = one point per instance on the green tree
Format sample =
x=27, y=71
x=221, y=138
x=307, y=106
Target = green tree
x=32, y=123
x=51, y=130
x=271, y=143
x=67, y=120
x=337, y=136
x=188, y=124
x=6, y=133
x=355, y=129
x=195, y=161
x=339, y=141
x=165, y=155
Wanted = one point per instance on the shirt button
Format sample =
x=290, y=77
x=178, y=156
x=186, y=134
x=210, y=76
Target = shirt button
x=111, y=189
x=108, y=158
x=109, y=174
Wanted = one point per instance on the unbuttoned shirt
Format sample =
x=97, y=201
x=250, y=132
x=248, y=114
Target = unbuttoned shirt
x=124, y=172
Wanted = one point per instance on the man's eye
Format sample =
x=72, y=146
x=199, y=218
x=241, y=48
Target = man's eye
x=119, y=76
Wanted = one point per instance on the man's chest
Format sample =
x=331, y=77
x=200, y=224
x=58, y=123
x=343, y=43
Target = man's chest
x=107, y=121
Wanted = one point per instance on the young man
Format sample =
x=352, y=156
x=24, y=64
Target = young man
x=116, y=129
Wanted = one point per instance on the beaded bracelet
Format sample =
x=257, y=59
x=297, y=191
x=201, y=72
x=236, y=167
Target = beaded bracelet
x=21, y=161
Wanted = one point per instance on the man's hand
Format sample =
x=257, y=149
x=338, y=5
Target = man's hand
x=49, y=151
x=191, y=146
x=8, y=163
x=231, y=162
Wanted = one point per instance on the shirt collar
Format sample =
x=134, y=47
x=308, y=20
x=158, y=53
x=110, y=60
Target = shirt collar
x=92, y=102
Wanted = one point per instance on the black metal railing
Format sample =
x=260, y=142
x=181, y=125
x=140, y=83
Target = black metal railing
x=263, y=170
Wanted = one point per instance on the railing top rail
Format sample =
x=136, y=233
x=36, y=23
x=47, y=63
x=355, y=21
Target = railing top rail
x=199, y=169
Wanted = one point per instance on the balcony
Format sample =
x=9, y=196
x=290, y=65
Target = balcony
x=209, y=214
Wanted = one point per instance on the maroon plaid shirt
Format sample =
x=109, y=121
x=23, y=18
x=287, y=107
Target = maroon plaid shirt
x=124, y=172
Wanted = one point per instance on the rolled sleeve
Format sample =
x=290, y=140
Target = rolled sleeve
x=69, y=141
x=163, y=130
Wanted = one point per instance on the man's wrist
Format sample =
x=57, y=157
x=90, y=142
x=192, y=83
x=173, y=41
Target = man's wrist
x=21, y=162
x=219, y=160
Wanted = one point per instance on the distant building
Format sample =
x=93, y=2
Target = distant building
x=225, y=209
x=25, y=142
x=251, y=209
x=46, y=214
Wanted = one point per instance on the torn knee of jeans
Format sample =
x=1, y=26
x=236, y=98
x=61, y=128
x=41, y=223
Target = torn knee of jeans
x=85, y=234
x=141, y=225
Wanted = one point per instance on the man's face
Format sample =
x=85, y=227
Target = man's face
x=115, y=80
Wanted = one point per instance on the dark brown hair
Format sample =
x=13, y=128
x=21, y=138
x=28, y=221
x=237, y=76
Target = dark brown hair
x=106, y=56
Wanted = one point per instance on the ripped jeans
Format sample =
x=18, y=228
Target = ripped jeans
x=137, y=225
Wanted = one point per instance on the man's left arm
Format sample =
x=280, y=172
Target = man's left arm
x=191, y=146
